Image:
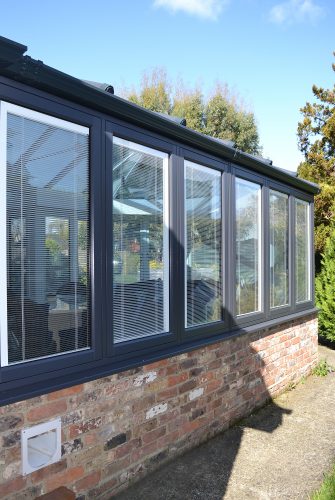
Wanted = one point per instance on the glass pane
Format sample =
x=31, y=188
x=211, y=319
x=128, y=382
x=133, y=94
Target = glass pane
x=203, y=245
x=141, y=239
x=278, y=249
x=47, y=192
x=302, y=255
x=248, y=246
x=57, y=239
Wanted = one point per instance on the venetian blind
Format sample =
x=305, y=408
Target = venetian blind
x=47, y=238
x=140, y=236
x=203, y=245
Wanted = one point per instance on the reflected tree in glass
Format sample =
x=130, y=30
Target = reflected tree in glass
x=140, y=241
x=203, y=244
x=47, y=193
x=278, y=249
x=248, y=246
x=302, y=250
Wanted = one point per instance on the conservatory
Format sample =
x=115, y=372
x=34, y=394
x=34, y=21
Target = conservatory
x=127, y=237
x=156, y=284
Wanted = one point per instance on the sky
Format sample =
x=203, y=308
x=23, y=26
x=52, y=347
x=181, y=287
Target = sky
x=270, y=52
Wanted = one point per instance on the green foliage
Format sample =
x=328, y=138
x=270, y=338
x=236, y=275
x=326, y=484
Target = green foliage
x=53, y=247
x=325, y=290
x=316, y=139
x=327, y=490
x=322, y=368
x=154, y=93
x=222, y=115
x=226, y=119
x=189, y=104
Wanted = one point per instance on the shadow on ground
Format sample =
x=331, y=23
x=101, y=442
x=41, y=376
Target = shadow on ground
x=204, y=472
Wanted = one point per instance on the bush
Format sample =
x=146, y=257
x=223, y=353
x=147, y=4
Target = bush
x=325, y=290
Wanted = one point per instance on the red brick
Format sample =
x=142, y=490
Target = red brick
x=177, y=379
x=166, y=394
x=88, y=481
x=172, y=437
x=206, y=377
x=235, y=376
x=117, y=387
x=103, y=488
x=63, y=393
x=144, y=451
x=177, y=423
x=66, y=478
x=117, y=466
x=78, y=429
x=213, y=385
x=188, y=386
x=157, y=364
x=126, y=448
x=89, y=439
x=13, y=486
x=167, y=417
x=190, y=426
x=154, y=435
x=61, y=493
x=172, y=369
x=49, y=410
x=188, y=407
x=143, y=403
x=43, y=473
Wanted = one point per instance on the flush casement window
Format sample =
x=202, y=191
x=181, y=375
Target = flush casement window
x=44, y=198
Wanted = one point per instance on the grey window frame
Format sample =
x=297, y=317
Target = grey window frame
x=300, y=306
x=105, y=357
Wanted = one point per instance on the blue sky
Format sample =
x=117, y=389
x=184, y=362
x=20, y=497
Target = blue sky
x=270, y=51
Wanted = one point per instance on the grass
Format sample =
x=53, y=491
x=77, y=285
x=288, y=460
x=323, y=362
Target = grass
x=327, y=489
x=322, y=369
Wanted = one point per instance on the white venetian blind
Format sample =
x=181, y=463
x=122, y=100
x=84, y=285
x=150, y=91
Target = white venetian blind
x=47, y=236
x=140, y=238
x=203, y=284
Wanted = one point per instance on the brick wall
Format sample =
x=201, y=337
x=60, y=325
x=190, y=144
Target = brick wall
x=120, y=427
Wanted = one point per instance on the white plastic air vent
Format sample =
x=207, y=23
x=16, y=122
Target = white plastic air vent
x=40, y=446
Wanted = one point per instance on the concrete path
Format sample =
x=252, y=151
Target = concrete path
x=258, y=459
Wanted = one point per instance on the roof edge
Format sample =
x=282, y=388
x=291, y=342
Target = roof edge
x=10, y=51
x=15, y=65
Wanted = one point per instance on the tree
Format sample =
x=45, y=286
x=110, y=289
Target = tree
x=227, y=119
x=155, y=93
x=325, y=290
x=189, y=104
x=222, y=115
x=316, y=139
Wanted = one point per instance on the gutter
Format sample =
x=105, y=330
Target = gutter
x=17, y=66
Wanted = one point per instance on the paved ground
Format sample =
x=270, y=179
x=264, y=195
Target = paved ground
x=281, y=452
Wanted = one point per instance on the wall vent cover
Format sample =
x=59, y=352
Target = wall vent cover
x=40, y=446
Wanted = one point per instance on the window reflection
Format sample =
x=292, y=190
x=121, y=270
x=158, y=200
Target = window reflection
x=47, y=192
x=248, y=246
x=278, y=249
x=302, y=251
x=141, y=239
x=203, y=244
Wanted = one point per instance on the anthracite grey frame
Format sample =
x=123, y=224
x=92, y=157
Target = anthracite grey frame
x=37, y=377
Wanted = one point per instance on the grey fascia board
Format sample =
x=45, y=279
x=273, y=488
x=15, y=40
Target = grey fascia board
x=39, y=75
x=10, y=51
